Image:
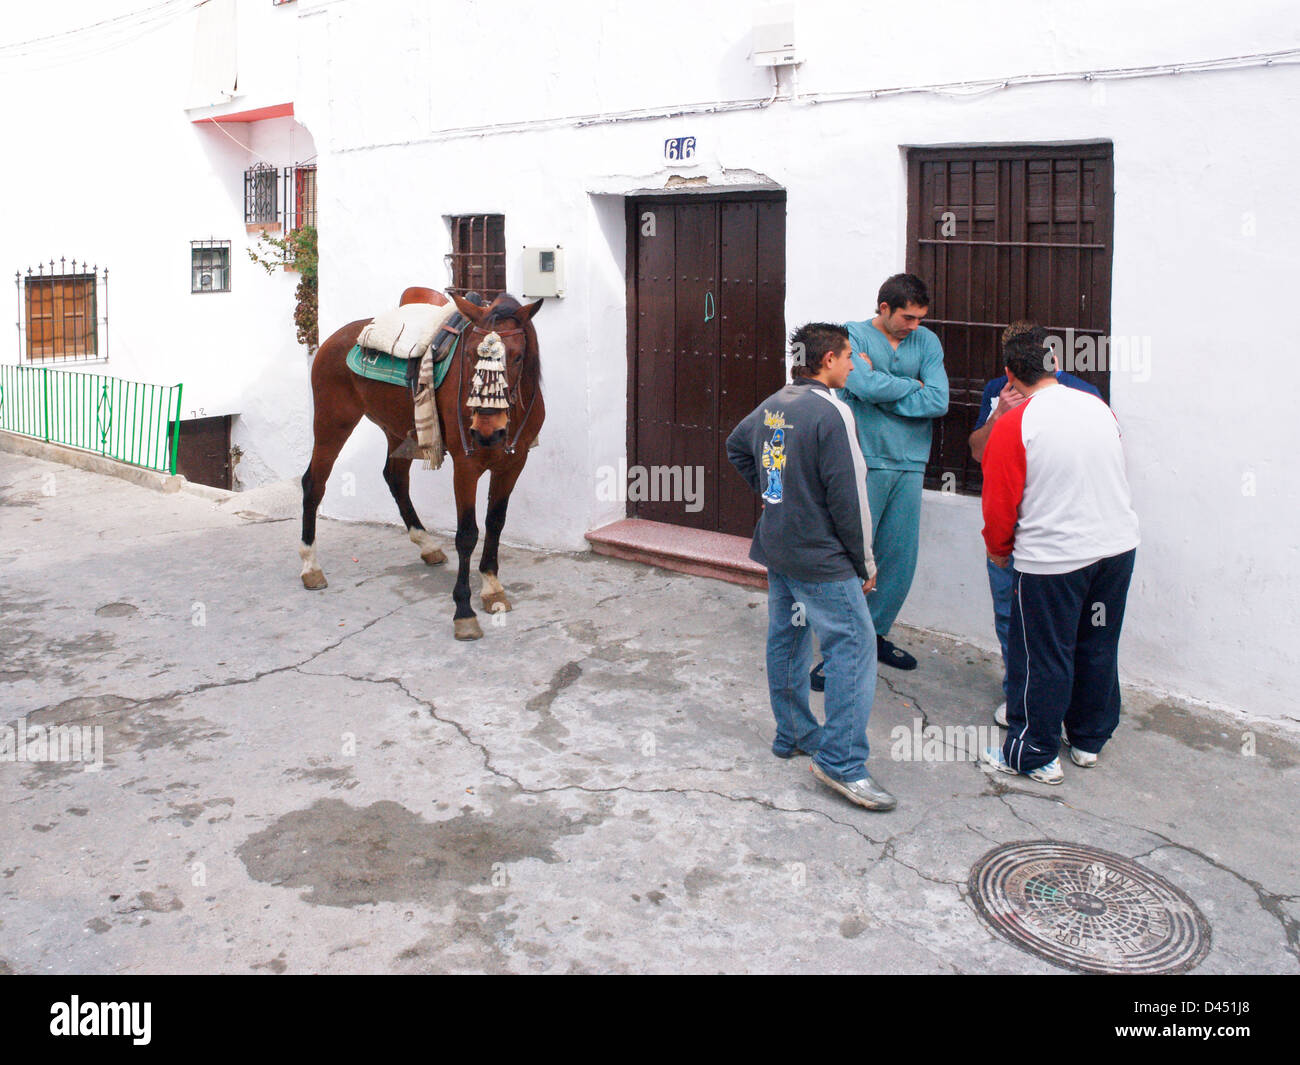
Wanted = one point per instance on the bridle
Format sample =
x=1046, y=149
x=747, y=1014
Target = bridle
x=512, y=391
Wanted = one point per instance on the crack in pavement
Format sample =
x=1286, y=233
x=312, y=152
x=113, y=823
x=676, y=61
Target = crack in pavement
x=130, y=704
x=486, y=755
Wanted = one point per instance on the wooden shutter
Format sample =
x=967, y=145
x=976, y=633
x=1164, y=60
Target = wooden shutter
x=1001, y=234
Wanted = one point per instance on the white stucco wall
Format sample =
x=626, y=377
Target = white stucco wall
x=110, y=168
x=1205, y=239
x=1195, y=157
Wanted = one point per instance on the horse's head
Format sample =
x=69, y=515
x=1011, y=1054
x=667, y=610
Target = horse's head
x=492, y=403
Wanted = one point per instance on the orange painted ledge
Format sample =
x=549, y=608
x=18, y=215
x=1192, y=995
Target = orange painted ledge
x=257, y=114
x=675, y=547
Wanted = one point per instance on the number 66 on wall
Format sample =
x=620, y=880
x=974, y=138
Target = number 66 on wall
x=679, y=149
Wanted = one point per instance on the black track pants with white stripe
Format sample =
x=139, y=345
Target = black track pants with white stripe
x=1062, y=663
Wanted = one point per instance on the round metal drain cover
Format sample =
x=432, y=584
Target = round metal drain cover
x=1087, y=909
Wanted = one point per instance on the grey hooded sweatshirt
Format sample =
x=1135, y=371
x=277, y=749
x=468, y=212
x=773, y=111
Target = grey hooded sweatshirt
x=799, y=450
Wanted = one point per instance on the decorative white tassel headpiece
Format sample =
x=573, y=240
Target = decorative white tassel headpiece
x=488, y=389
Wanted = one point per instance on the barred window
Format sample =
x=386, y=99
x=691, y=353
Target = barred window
x=478, y=254
x=61, y=311
x=209, y=266
x=260, y=201
x=300, y=196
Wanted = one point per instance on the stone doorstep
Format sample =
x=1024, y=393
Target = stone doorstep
x=675, y=547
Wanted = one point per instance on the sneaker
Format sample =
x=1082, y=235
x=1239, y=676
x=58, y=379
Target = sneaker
x=1044, y=774
x=1083, y=759
x=890, y=655
x=817, y=677
x=1000, y=715
x=865, y=792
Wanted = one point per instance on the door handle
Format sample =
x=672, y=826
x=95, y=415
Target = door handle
x=708, y=306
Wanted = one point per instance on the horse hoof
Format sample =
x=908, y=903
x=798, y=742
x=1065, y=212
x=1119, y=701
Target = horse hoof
x=436, y=557
x=468, y=629
x=314, y=580
x=496, y=603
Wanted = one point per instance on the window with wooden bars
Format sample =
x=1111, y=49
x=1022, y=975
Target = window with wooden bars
x=61, y=314
x=478, y=255
x=304, y=196
x=999, y=234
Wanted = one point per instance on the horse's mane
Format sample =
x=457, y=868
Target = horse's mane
x=506, y=307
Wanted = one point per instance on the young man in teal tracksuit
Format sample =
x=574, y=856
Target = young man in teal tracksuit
x=897, y=388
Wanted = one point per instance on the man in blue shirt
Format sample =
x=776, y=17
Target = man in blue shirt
x=1000, y=398
x=897, y=388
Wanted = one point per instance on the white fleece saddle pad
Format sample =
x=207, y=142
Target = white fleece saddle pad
x=405, y=332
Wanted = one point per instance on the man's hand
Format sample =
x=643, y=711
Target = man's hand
x=865, y=358
x=1008, y=400
x=870, y=585
x=1001, y=561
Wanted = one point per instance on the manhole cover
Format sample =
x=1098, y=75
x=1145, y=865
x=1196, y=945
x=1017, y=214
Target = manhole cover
x=1087, y=909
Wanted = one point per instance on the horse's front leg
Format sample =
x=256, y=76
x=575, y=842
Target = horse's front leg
x=467, y=474
x=499, y=488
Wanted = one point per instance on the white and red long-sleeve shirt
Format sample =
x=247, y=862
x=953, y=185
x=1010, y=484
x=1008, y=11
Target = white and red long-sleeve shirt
x=1055, y=491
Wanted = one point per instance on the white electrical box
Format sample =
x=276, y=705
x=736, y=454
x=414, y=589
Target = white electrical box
x=774, y=36
x=543, y=271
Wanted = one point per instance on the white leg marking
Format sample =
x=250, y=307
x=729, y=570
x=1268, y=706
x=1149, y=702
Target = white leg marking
x=423, y=540
x=308, y=556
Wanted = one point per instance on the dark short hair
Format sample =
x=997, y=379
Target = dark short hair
x=1028, y=355
x=816, y=338
x=902, y=289
x=1020, y=325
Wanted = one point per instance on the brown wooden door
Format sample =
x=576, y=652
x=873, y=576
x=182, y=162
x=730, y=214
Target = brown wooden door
x=707, y=340
x=1000, y=234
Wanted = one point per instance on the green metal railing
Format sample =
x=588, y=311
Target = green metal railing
x=125, y=420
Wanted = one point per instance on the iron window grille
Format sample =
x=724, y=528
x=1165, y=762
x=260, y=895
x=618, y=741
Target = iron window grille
x=260, y=202
x=59, y=312
x=209, y=266
x=478, y=254
x=299, y=196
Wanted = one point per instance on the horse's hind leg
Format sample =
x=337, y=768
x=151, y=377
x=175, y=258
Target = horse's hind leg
x=397, y=474
x=329, y=440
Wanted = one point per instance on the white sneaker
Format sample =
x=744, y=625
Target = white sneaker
x=1044, y=774
x=1083, y=759
x=1000, y=714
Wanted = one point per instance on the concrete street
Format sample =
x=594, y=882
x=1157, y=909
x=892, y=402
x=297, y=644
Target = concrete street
x=326, y=781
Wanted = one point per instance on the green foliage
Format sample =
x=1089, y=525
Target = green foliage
x=297, y=250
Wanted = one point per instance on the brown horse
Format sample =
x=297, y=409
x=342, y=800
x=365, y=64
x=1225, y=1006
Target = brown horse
x=494, y=441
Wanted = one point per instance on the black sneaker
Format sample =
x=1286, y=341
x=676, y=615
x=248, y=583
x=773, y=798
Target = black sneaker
x=887, y=653
x=817, y=678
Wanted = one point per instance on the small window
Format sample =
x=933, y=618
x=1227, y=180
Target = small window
x=209, y=266
x=61, y=312
x=300, y=196
x=478, y=255
x=260, y=184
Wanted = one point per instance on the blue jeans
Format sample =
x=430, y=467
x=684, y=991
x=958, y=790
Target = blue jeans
x=837, y=612
x=1000, y=581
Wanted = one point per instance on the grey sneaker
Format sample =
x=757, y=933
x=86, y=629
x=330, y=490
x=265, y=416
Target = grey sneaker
x=865, y=792
x=1000, y=715
x=1044, y=774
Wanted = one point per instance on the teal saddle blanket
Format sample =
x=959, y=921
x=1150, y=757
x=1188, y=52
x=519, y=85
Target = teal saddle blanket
x=389, y=369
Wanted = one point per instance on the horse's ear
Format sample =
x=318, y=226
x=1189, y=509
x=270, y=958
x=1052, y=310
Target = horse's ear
x=526, y=312
x=473, y=313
